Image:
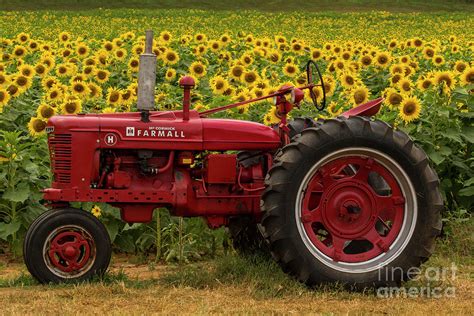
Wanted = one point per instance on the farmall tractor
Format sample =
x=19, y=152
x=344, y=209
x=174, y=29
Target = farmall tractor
x=349, y=199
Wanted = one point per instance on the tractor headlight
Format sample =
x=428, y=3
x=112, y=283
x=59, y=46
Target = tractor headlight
x=296, y=96
x=275, y=100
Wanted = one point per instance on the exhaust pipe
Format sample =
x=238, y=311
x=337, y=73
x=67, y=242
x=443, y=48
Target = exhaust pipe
x=147, y=79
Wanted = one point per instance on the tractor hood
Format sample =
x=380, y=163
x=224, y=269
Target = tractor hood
x=166, y=131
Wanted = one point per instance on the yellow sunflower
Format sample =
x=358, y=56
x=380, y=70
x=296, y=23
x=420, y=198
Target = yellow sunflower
x=359, y=95
x=96, y=211
x=40, y=70
x=271, y=117
x=45, y=111
x=250, y=77
x=424, y=83
x=246, y=59
x=445, y=78
x=467, y=76
x=71, y=105
x=382, y=59
x=4, y=98
x=236, y=72
x=215, y=45
x=26, y=70
x=165, y=37
x=348, y=80
x=405, y=85
x=64, y=37
x=290, y=69
x=54, y=94
x=170, y=57
x=22, y=82
x=170, y=74
x=36, y=126
x=133, y=64
x=410, y=109
x=95, y=91
x=23, y=37
x=392, y=98
x=80, y=89
x=114, y=97
x=460, y=66
x=102, y=75
x=438, y=60
x=366, y=60
x=197, y=69
x=218, y=84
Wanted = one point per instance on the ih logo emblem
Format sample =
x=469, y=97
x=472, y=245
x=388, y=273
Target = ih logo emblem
x=110, y=139
x=130, y=131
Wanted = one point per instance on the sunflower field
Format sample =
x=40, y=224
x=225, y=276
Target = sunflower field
x=57, y=63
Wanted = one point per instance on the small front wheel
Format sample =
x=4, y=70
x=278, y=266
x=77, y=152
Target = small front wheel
x=66, y=245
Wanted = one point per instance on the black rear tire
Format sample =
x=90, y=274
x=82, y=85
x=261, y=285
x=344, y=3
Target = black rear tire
x=285, y=187
x=66, y=245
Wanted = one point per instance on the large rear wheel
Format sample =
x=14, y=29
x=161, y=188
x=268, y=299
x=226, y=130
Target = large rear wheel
x=352, y=201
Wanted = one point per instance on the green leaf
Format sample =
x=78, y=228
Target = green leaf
x=469, y=182
x=113, y=229
x=453, y=134
x=469, y=191
x=436, y=157
x=7, y=230
x=468, y=133
x=18, y=194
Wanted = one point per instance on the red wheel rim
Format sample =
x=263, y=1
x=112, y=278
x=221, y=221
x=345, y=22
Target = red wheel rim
x=69, y=251
x=347, y=217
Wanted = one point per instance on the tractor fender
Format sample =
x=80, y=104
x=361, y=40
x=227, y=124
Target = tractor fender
x=367, y=109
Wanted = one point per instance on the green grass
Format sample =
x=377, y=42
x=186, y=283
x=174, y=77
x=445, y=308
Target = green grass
x=264, y=5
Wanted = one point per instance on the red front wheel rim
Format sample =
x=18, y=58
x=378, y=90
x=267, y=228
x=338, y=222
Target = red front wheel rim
x=69, y=251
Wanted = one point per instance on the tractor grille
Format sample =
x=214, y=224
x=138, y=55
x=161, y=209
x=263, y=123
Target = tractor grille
x=60, y=148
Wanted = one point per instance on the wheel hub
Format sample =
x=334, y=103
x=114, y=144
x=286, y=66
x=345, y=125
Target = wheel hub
x=348, y=209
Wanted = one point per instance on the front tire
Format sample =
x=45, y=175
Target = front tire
x=66, y=245
x=326, y=220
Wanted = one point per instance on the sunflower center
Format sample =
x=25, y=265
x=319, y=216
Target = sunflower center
x=47, y=112
x=250, y=77
x=79, y=88
x=199, y=69
x=409, y=108
x=237, y=72
x=114, y=97
x=359, y=97
x=395, y=99
x=101, y=75
x=70, y=107
x=219, y=85
x=470, y=77
x=2, y=96
x=21, y=81
x=366, y=60
x=39, y=125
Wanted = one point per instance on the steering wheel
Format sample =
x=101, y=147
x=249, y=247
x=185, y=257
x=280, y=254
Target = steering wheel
x=310, y=66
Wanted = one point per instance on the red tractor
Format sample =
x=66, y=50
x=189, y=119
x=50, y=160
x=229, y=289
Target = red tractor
x=348, y=199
